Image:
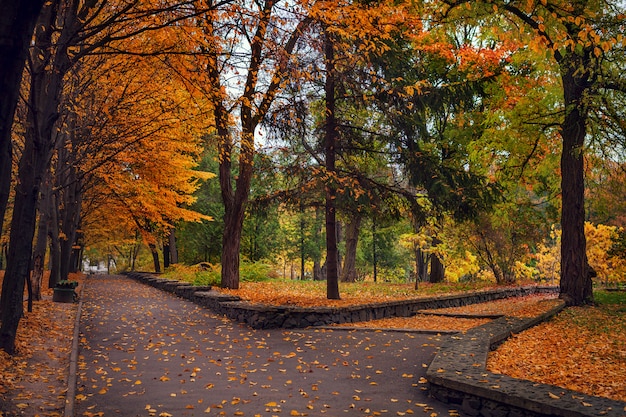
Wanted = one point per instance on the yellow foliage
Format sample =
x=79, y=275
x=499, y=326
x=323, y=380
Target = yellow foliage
x=458, y=267
x=598, y=244
x=548, y=258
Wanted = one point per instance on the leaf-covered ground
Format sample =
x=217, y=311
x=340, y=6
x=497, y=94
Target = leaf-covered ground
x=34, y=381
x=440, y=319
x=583, y=349
x=313, y=293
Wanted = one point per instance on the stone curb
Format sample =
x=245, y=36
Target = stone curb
x=70, y=395
x=260, y=316
x=458, y=375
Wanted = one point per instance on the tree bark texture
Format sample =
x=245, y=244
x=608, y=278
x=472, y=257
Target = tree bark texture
x=17, y=21
x=576, y=283
x=41, y=245
x=55, y=247
x=43, y=103
x=330, y=143
x=172, y=244
x=349, y=272
x=155, y=257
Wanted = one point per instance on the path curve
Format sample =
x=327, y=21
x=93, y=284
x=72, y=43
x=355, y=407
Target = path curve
x=144, y=352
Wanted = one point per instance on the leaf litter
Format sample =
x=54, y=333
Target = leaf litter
x=44, y=344
x=33, y=382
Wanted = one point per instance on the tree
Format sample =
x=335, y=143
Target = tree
x=17, y=21
x=577, y=35
x=67, y=32
x=257, y=49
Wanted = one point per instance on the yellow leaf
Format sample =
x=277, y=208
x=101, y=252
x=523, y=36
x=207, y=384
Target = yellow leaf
x=271, y=404
x=553, y=396
x=102, y=391
x=138, y=382
x=22, y=406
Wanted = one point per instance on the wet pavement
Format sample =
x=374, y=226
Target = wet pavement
x=144, y=352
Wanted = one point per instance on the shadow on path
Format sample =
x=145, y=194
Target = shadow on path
x=144, y=352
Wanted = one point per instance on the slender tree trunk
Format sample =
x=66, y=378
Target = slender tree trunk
x=317, y=256
x=374, y=252
x=155, y=257
x=172, y=245
x=349, y=273
x=17, y=21
x=330, y=143
x=55, y=246
x=70, y=220
x=44, y=98
x=41, y=246
x=166, y=255
x=33, y=164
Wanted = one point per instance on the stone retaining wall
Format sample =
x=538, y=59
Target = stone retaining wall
x=458, y=376
x=260, y=316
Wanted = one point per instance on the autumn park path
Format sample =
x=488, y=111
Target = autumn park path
x=145, y=352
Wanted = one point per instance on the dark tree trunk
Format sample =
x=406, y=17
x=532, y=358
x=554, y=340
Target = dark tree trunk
x=330, y=143
x=55, y=247
x=235, y=201
x=576, y=283
x=44, y=97
x=317, y=257
x=421, y=261
x=437, y=270
x=70, y=221
x=349, y=272
x=155, y=257
x=302, y=240
x=374, y=253
x=166, y=255
x=17, y=21
x=41, y=246
x=172, y=246
x=231, y=244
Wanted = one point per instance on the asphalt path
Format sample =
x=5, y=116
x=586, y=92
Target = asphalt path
x=145, y=352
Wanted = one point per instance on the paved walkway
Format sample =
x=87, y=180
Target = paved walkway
x=144, y=352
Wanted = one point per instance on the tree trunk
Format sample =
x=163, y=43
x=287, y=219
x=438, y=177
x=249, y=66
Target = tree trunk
x=166, y=255
x=43, y=103
x=155, y=257
x=349, y=273
x=374, y=253
x=172, y=245
x=70, y=220
x=32, y=166
x=437, y=270
x=330, y=143
x=576, y=283
x=41, y=246
x=17, y=21
x=55, y=248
